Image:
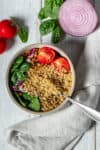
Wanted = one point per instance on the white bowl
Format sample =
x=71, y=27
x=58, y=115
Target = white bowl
x=62, y=53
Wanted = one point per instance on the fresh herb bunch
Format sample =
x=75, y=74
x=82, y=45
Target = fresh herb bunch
x=50, y=13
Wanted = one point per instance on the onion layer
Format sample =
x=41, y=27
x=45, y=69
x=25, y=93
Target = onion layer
x=78, y=17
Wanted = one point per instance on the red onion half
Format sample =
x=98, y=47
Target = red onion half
x=78, y=17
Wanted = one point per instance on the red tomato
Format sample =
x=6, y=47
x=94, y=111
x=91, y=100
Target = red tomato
x=46, y=55
x=61, y=62
x=3, y=45
x=7, y=29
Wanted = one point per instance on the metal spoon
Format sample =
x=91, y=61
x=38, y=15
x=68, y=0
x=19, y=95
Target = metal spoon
x=90, y=112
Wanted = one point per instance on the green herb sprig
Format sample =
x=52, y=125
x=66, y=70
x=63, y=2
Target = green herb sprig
x=49, y=19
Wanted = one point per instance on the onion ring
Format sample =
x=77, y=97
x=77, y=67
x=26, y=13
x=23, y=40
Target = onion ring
x=78, y=17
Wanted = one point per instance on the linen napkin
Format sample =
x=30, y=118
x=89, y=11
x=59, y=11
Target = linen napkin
x=63, y=129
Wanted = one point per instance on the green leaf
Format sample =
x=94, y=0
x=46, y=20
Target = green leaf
x=59, y=2
x=34, y=104
x=20, y=100
x=56, y=35
x=20, y=76
x=41, y=14
x=48, y=3
x=19, y=60
x=24, y=67
x=27, y=96
x=51, y=9
x=14, y=78
x=14, y=68
x=23, y=34
x=17, y=63
x=55, y=11
x=34, y=101
x=47, y=27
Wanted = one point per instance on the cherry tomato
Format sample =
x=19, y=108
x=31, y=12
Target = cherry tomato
x=62, y=63
x=46, y=55
x=7, y=29
x=3, y=45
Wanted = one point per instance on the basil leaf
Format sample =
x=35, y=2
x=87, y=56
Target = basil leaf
x=34, y=104
x=17, y=63
x=23, y=34
x=56, y=35
x=20, y=100
x=24, y=67
x=47, y=27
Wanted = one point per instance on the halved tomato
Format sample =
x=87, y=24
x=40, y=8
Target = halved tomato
x=46, y=55
x=62, y=63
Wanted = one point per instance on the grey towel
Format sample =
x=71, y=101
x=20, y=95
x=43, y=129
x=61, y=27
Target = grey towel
x=63, y=129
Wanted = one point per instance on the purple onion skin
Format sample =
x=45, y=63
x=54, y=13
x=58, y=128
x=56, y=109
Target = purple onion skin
x=19, y=83
x=31, y=52
x=15, y=88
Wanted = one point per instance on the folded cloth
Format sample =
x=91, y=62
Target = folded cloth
x=63, y=129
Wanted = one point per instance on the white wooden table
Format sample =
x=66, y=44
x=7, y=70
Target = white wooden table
x=27, y=10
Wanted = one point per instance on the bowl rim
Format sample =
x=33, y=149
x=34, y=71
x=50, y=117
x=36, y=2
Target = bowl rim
x=38, y=45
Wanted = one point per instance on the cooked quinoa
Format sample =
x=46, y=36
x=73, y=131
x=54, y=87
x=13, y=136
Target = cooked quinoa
x=48, y=84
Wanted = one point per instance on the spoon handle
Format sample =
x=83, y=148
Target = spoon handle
x=92, y=113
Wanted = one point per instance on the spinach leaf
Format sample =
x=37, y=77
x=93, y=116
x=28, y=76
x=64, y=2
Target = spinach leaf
x=55, y=11
x=59, y=2
x=23, y=34
x=34, y=101
x=17, y=63
x=51, y=10
x=47, y=27
x=24, y=67
x=27, y=96
x=19, y=99
x=20, y=76
x=22, y=31
x=14, y=67
x=48, y=3
x=19, y=60
x=14, y=78
x=56, y=35
x=34, y=104
x=41, y=14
